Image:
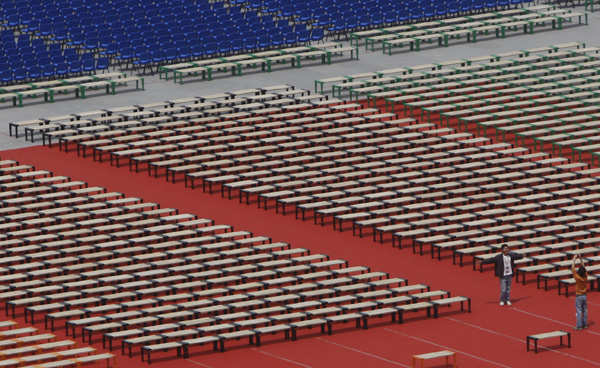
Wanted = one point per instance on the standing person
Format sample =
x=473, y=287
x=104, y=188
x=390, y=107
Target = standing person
x=580, y=276
x=504, y=268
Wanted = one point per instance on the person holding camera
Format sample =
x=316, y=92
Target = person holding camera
x=580, y=275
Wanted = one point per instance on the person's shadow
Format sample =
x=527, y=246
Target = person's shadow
x=513, y=301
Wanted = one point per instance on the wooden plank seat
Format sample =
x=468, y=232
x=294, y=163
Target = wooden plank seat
x=33, y=93
x=309, y=323
x=262, y=331
x=16, y=97
x=547, y=335
x=58, y=355
x=447, y=301
x=113, y=83
x=148, y=349
x=412, y=307
x=24, y=340
x=571, y=281
x=76, y=362
x=171, y=67
x=37, y=348
x=30, y=130
x=18, y=332
x=558, y=275
x=438, y=354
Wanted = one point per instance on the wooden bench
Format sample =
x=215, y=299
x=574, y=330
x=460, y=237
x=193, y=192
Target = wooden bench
x=548, y=335
x=437, y=354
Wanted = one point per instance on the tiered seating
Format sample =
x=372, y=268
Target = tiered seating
x=138, y=33
x=33, y=59
x=266, y=59
x=468, y=27
x=130, y=271
x=79, y=85
x=341, y=17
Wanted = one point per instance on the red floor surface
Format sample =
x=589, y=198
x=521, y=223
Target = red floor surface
x=490, y=336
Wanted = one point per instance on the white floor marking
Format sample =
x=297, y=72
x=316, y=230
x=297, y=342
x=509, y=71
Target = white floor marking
x=362, y=352
x=278, y=357
x=520, y=340
x=538, y=316
x=198, y=363
x=594, y=304
x=448, y=348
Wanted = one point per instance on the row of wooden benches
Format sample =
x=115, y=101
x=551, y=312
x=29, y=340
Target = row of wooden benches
x=255, y=334
x=146, y=122
x=52, y=89
x=286, y=276
x=21, y=347
x=356, y=37
x=154, y=109
x=463, y=65
x=471, y=30
x=266, y=59
x=504, y=71
x=183, y=156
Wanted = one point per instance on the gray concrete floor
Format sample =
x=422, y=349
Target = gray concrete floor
x=160, y=90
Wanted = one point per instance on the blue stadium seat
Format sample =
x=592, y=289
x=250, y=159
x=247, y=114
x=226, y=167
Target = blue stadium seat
x=171, y=54
x=276, y=39
x=144, y=60
x=110, y=50
x=102, y=63
x=158, y=56
x=6, y=75
x=304, y=36
x=210, y=49
x=184, y=53
x=34, y=73
x=376, y=19
x=75, y=67
x=23, y=40
x=286, y=11
x=305, y=16
x=76, y=40
x=466, y=6
x=62, y=69
x=264, y=41
x=316, y=34
x=428, y=11
x=479, y=4
x=453, y=7
x=126, y=55
x=290, y=38
x=364, y=21
x=237, y=45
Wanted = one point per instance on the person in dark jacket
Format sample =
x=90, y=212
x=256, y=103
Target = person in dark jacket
x=504, y=263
